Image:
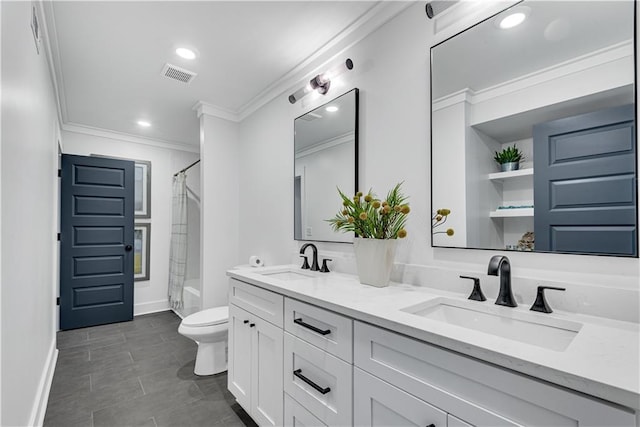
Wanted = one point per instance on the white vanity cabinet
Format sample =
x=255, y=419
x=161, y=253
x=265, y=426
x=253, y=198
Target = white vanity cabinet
x=317, y=365
x=466, y=390
x=256, y=352
x=293, y=363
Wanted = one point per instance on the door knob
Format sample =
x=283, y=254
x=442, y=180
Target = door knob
x=128, y=248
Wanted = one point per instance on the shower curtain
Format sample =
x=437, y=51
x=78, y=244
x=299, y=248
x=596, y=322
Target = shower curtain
x=178, y=251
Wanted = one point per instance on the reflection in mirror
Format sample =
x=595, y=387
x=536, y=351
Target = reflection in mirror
x=560, y=86
x=326, y=153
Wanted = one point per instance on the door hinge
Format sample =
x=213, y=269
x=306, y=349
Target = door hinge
x=58, y=301
x=59, y=236
x=59, y=173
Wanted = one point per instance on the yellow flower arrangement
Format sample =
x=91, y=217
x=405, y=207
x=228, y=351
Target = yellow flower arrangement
x=369, y=217
x=438, y=220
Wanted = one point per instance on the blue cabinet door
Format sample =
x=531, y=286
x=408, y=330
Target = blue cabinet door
x=585, y=183
x=96, y=256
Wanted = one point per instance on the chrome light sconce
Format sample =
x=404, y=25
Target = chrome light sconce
x=321, y=82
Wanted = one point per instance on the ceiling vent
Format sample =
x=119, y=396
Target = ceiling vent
x=177, y=73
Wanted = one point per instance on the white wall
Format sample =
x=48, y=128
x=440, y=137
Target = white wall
x=149, y=295
x=392, y=72
x=220, y=199
x=29, y=220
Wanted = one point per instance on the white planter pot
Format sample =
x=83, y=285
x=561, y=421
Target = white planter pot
x=374, y=259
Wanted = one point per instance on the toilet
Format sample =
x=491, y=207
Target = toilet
x=208, y=328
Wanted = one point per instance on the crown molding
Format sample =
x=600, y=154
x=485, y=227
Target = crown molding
x=126, y=137
x=53, y=57
x=203, y=107
x=366, y=24
x=465, y=13
x=464, y=95
x=371, y=20
x=569, y=67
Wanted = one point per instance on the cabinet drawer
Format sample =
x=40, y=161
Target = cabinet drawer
x=455, y=422
x=330, y=331
x=377, y=403
x=474, y=391
x=322, y=383
x=265, y=304
x=297, y=416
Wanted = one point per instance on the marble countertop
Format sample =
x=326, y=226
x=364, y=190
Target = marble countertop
x=602, y=360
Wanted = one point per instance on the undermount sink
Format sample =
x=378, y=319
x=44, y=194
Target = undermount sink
x=287, y=274
x=531, y=328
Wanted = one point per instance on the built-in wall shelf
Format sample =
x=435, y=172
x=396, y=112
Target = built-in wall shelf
x=511, y=213
x=511, y=174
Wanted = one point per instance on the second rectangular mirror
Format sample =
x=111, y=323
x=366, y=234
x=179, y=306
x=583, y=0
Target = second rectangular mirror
x=559, y=88
x=325, y=157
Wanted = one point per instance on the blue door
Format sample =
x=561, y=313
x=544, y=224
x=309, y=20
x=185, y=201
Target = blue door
x=96, y=241
x=585, y=183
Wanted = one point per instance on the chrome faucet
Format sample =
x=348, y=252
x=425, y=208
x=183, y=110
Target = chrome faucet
x=314, y=264
x=500, y=264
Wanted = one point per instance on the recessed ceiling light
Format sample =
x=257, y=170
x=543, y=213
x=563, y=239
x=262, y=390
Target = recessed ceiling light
x=332, y=108
x=185, y=53
x=513, y=18
x=144, y=123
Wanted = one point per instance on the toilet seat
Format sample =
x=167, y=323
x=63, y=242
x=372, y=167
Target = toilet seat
x=209, y=317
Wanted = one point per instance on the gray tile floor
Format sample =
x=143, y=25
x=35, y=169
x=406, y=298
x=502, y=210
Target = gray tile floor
x=137, y=373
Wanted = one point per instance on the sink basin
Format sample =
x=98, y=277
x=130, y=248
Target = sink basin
x=287, y=274
x=531, y=328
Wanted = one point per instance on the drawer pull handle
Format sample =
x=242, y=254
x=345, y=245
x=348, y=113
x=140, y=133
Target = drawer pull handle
x=245, y=322
x=251, y=325
x=431, y=425
x=298, y=373
x=313, y=328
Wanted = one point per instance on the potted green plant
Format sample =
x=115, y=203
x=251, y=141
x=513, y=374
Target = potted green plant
x=377, y=225
x=509, y=159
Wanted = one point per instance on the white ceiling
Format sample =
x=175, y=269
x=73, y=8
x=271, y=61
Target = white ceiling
x=555, y=31
x=108, y=57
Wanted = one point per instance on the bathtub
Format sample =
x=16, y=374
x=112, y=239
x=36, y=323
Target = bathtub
x=191, y=297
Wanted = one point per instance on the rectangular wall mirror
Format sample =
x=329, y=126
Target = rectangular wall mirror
x=326, y=158
x=560, y=87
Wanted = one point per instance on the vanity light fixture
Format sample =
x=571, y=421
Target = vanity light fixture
x=332, y=108
x=514, y=18
x=144, y=123
x=321, y=82
x=185, y=53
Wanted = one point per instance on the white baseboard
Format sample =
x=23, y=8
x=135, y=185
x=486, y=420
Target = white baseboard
x=44, y=387
x=150, y=307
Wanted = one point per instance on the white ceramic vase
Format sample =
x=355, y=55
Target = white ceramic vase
x=374, y=259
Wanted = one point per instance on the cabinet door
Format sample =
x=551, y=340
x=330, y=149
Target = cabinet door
x=239, y=369
x=377, y=403
x=267, y=403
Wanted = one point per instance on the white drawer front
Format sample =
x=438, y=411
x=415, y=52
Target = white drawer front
x=379, y=404
x=265, y=304
x=474, y=391
x=330, y=331
x=455, y=422
x=331, y=404
x=297, y=416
